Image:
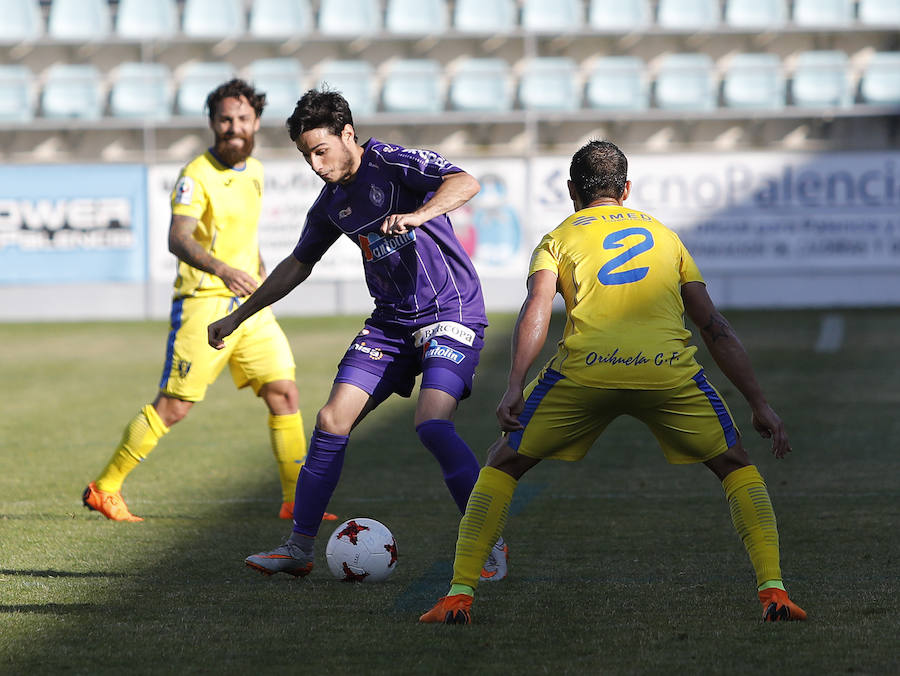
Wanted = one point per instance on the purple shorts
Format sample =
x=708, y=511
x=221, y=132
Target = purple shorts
x=385, y=359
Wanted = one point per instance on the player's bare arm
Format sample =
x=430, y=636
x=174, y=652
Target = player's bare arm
x=284, y=278
x=731, y=357
x=183, y=245
x=456, y=189
x=529, y=337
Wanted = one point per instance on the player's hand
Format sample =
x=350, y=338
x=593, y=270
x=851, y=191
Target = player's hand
x=509, y=408
x=399, y=224
x=219, y=330
x=238, y=282
x=769, y=425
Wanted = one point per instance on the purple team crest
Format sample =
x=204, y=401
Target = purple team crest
x=376, y=196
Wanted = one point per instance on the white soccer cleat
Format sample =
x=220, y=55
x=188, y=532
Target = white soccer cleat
x=496, y=566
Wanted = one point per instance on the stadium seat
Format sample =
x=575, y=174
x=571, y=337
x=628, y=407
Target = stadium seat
x=552, y=15
x=753, y=81
x=349, y=17
x=16, y=94
x=619, y=15
x=416, y=17
x=880, y=83
x=147, y=19
x=484, y=16
x=22, y=21
x=879, y=12
x=820, y=79
x=282, y=82
x=412, y=86
x=78, y=20
x=481, y=84
x=685, y=82
x=549, y=83
x=355, y=80
x=755, y=13
x=213, y=19
x=141, y=90
x=617, y=83
x=196, y=81
x=688, y=14
x=72, y=90
x=281, y=18
x=823, y=12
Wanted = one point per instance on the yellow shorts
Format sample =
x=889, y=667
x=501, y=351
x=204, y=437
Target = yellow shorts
x=257, y=352
x=562, y=418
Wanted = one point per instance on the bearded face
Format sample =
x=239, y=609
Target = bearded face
x=234, y=126
x=234, y=148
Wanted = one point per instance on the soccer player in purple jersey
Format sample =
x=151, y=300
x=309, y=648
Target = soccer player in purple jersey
x=429, y=317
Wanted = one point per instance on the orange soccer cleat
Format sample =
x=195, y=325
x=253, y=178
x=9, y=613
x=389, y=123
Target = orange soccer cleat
x=110, y=505
x=287, y=512
x=454, y=609
x=777, y=607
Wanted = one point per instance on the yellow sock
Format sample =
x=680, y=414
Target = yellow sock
x=140, y=437
x=289, y=446
x=482, y=524
x=754, y=520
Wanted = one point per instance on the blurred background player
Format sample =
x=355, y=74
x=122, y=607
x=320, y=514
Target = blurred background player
x=429, y=313
x=626, y=280
x=214, y=233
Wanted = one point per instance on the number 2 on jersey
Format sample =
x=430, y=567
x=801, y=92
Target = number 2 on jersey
x=613, y=240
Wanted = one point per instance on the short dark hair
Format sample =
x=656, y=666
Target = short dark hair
x=317, y=109
x=598, y=169
x=235, y=88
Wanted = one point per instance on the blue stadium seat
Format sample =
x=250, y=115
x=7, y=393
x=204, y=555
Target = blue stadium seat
x=213, y=19
x=281, y=18
x=617, y=83
x=22, y=21
x=481, y=84
x=823, y=12
x=879, y=12
x=484, y=16
x=282, y=82
x=349, y=17
x=688, y=14
x=16, y=94
x=141, y=90
x=753, y=81
x=549, y=83
x=880, y=83
x=412, y=86
x=755, y=13
x=147, y=19
x=355, y=80
x=196, y=81
x=416, y=17
x=72, y=90
x=78, y=20
x=820, y=79
x=619, y=15
x=552, y=15
x=685, y=82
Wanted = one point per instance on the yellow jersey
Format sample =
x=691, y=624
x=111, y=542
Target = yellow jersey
x=620, y=272
x=226, y=203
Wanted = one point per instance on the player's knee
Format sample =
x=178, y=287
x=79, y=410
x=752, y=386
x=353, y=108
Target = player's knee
x=281, y=397
x=724, y=464
x=171, y=410
x=329, y=419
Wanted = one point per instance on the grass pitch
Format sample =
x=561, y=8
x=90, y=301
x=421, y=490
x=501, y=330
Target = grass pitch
x=620, y=564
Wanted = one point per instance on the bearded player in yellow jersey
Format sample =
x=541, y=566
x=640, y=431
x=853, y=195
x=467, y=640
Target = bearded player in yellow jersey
x=213, y=233
x=627, y=281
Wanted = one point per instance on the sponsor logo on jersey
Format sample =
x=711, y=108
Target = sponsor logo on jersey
x=374, y=353
x=184, y=190
x=429, y=156
x=376, y=196
x=375, y=246
x=458, y=332
x=256, y=184
x=390, y=149
x=437, y=351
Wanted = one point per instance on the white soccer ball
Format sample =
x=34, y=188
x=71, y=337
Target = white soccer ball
x=361, y=550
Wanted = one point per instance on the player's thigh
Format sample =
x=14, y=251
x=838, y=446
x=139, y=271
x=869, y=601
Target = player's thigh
x=449, y=359
x=693, y=424
x=191, y=365
x=380, y=361
x=262, y=353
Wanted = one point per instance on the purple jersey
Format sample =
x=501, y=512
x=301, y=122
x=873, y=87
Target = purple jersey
x=418, y=277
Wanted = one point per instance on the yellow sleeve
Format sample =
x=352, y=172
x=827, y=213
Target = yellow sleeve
x=188, y=198
x=688, y=268
x=545, y=256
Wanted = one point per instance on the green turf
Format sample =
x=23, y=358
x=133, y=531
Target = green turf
x=621, y=564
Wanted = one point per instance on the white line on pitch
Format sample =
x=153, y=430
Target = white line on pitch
x=831, y=333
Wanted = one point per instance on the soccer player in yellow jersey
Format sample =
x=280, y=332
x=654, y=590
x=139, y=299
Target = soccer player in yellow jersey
x=626, y=280
x=213, y=233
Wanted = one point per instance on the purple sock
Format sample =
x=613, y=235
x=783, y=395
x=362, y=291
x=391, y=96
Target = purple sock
x=458, y=463
x=318, y=479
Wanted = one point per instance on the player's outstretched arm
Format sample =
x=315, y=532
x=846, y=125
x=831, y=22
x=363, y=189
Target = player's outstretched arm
x=455, y=190
x=528, y=338
x=284, y=278
x=731, y=357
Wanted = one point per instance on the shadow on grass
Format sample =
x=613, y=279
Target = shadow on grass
x=57, y=573
x=49, y=608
